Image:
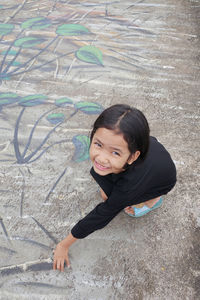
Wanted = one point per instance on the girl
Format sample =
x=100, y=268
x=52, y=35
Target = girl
x=130, y=167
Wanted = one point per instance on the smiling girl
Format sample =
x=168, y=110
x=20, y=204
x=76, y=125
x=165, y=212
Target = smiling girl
x=130, y=167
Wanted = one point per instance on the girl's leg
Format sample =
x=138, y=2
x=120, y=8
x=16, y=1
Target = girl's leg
x=150, y=204
x=103, y=195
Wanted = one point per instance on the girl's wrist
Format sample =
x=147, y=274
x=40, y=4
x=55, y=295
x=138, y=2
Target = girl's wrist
x=63, y=244
x=67, y=242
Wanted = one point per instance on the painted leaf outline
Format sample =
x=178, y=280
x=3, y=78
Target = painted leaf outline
x=90, y=54
x=55, y=118
x=72, y=30
x=8, y=98
x=36, y=23
x=15, y=63
x=5, y=77
x=32, y=100
x=89, y=108
x=10, y=53
x=81, y=143
x=6, y=28
x=28, y=42
x=63, y=102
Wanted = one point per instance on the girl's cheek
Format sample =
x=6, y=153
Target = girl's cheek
x=91, y=152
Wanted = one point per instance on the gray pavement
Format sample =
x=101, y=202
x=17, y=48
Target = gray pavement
x=61, y=63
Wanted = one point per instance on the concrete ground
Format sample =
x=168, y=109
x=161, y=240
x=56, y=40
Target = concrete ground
x=61, y=63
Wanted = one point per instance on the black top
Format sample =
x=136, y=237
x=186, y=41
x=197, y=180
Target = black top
x=142, y=181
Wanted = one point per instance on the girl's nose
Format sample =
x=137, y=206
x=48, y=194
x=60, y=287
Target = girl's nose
x=102, y=159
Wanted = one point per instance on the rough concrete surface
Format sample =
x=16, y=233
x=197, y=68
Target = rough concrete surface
x=61, y=63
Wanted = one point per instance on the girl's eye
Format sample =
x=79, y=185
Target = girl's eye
x=97, y=144
x=116, y=153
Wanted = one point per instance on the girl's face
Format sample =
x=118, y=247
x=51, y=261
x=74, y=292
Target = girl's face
x=109, y=152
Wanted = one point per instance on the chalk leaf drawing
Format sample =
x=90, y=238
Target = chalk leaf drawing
x=36, y=23
x=89, y=108
x=5, y=29
x=9, y=53
x=90, y=54
x=28, y=42
x=81, y=143
x=72, y=30
x=56, y=118
x=8, y=98
x=32, y=100
x=63, y=102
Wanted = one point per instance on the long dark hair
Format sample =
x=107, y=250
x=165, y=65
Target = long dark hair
x=128, y=121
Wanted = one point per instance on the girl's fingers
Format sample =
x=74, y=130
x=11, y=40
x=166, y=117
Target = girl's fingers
x=62, y=266
x=67, y=262
x=59, y=264
x=58, y=267
x=54, y=264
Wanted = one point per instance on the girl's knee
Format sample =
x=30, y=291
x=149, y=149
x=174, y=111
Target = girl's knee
x=103, y=195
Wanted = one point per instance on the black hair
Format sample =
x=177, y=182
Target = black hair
x=128, y=121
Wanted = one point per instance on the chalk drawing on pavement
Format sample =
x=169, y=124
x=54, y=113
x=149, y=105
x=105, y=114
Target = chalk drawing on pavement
x=53, y=117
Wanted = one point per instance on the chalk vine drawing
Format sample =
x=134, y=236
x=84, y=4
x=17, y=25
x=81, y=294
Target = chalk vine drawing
x=14, y=67
x=81, y=142
x=33, y=44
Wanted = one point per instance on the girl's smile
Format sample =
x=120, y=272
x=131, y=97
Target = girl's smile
x=109, y=152
x=100, y=167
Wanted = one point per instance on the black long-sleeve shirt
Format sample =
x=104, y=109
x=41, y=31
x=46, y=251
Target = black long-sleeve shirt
x=142, y=181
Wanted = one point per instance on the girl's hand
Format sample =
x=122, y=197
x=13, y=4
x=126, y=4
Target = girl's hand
x=61, y=253
x=60, y=257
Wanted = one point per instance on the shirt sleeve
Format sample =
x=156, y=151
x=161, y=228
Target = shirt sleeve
x=100, y=216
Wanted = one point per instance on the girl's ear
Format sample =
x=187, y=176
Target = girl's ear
x=133, y=157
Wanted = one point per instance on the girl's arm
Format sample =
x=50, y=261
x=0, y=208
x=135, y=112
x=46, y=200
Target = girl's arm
x=96, y=219
x=61, y=253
